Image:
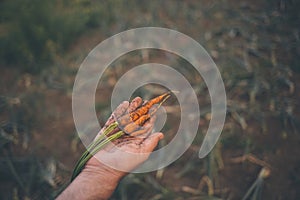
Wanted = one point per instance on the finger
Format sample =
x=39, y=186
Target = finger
x=109, y=121
x=149, y=124
x=118, y=111
x=144, y=130
x=151, y=142
x=151, y=121
x=137, y=136
x=125, y=140
x=136, y=129
x=134, y=104
x=121, y=109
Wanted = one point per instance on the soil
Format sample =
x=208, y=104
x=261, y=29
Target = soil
x=272, y=145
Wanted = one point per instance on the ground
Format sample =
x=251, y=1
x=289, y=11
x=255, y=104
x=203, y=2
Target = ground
x=255, y=45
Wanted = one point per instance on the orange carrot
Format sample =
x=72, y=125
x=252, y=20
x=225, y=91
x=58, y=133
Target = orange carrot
x=138, y=123
x=145, y=108
x=134, y=126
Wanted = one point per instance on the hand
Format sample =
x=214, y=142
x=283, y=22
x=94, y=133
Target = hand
x=97, y=180
x=140, y=147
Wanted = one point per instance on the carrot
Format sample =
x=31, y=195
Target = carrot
x=138, y=123
x=145, y=108
x=129, y=128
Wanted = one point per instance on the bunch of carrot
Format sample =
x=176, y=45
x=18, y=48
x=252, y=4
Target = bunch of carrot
x=130, y=123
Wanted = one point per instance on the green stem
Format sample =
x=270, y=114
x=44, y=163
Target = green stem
x=110, y=128
x=94, y=147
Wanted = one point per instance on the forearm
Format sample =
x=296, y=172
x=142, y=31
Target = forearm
x=91, y=184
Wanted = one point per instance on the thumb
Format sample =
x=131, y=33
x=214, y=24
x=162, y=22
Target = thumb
x=151, y=142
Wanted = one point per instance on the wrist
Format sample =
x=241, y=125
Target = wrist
x=98, y=175
x=100, y=179
x=99, y=171
x=96, y=181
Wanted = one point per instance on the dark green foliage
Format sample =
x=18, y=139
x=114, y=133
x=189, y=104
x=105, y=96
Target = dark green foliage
x=33, y=32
